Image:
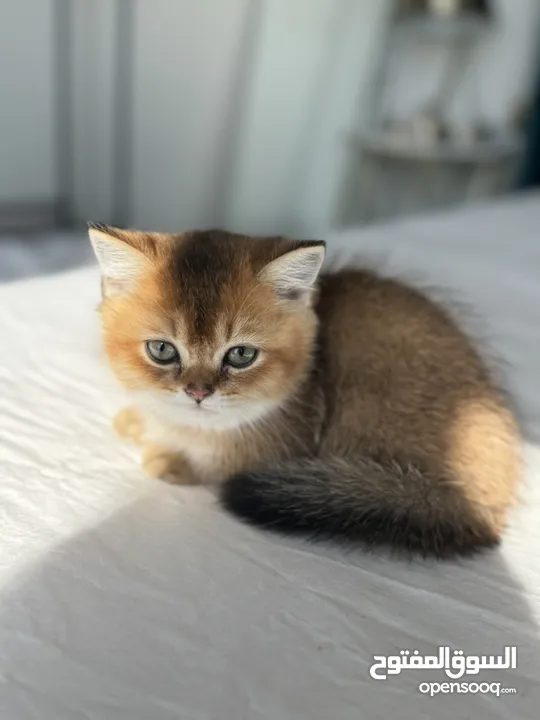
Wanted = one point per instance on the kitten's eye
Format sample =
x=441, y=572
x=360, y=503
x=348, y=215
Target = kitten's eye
x=162, y=352
x=240, y=357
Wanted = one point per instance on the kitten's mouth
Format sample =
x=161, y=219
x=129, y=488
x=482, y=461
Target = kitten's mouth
x=201, y=407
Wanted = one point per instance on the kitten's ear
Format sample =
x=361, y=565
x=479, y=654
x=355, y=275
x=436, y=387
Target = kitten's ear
x=294, y=274
x=123, y=256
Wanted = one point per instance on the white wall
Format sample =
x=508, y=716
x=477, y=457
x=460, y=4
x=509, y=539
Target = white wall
x=341, y=107
x=184, y=72
x=230, y=112
x=92, y=89
x=27, y=101
x=238, y=110
x=312, y=63
x=284, y=88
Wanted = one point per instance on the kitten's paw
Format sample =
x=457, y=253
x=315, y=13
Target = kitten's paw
x=128, y=424
x=168, y=466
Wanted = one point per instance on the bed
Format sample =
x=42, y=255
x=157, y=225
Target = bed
x=125, y=599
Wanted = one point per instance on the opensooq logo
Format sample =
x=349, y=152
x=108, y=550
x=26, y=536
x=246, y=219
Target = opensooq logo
x=454, y=663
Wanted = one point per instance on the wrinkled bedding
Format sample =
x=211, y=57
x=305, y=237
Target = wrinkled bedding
x=125, y=599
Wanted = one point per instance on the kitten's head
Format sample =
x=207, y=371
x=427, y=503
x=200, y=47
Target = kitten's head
x=209, y=329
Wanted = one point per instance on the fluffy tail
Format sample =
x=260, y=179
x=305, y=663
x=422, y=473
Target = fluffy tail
x=368, y=502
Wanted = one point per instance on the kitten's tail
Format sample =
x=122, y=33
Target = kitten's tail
x=371, y=502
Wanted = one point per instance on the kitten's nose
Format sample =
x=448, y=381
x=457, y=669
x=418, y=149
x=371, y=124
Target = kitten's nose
x=198, y=392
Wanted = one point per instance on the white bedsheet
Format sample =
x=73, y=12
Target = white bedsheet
x=126, y=599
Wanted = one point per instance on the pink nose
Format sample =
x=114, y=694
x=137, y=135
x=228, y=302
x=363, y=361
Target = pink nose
x=198, y=392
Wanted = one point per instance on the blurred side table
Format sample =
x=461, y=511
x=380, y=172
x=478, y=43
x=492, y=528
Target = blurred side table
x=388, y=178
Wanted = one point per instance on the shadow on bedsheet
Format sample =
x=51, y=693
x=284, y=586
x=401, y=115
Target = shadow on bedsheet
x=170, y=609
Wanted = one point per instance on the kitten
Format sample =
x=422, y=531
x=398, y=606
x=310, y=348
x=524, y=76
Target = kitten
x=346, y=406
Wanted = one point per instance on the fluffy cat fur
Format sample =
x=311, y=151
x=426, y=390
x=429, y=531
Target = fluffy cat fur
x=367, y=416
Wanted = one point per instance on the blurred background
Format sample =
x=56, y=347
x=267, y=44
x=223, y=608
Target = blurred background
x=295, y=117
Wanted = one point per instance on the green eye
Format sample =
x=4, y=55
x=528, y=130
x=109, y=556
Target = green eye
x=161, y=352
x=240, y=357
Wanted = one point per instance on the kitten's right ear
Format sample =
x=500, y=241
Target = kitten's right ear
x=121, y=256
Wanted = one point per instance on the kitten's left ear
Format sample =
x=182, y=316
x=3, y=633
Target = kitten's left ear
x=294, y=274
x=123, y=256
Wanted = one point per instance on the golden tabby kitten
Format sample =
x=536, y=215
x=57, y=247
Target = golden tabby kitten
x=345, y=406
